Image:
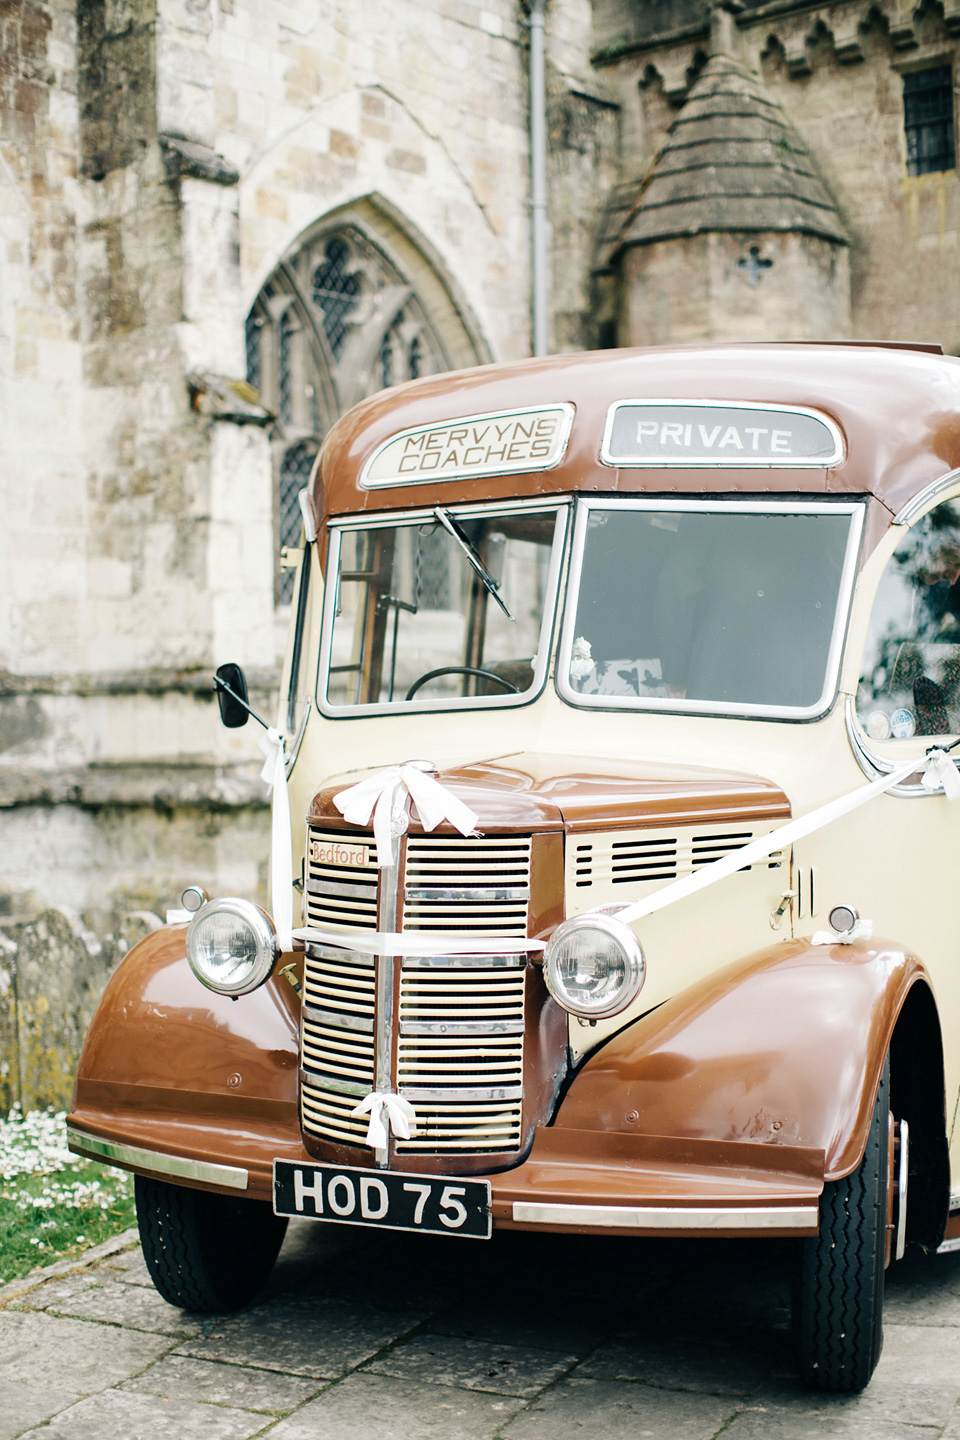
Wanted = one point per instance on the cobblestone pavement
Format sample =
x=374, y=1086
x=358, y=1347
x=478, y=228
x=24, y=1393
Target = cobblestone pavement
x=363, y=1334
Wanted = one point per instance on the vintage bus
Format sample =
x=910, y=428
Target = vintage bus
x=613, y=839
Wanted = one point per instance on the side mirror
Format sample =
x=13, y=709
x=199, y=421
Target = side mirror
x=231, y=687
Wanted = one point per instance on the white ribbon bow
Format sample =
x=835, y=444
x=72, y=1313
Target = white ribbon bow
x=274, y=772
x=940, y=770
x=382, y=1105
x=380, y=794
x=861, y=931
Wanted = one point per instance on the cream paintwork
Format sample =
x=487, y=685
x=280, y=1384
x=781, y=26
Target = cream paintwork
x=892, y=859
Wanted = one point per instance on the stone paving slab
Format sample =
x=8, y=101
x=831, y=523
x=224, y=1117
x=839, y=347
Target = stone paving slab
x=579, y=1409
x=473, y=1364
x=75, y=1355
x=378, y=1407
x=26, y=1404
x=303, y=1336
x=97, y=1296
x=136, y=1417
x=179, y=1377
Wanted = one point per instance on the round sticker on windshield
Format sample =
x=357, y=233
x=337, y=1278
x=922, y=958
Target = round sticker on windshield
x=903, y=724
x=878, y=725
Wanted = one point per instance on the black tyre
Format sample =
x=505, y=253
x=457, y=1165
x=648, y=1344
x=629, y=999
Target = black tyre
x=838, y=1298
x=207, y=1253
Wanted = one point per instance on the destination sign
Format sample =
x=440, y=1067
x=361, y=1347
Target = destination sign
x=505, y=443
x=718, y=433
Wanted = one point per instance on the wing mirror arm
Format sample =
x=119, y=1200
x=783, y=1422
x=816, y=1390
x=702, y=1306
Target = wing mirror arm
x=230, y=684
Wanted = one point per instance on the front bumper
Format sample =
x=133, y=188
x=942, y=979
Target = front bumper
x=572, y=1181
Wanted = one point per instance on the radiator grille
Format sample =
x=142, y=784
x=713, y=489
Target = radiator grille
x=337, y=1041
x=341, y=880
x=475, y=887
x=460, y=1055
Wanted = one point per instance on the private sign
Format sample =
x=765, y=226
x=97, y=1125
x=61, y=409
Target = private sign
x=505, y=443
x=718, y=433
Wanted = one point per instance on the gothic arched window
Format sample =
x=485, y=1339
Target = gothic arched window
x=336, y=321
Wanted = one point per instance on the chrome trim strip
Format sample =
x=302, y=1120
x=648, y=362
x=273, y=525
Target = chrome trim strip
x=350, y=890
x=291, y=758
x=388, y=918
x=232, y=1176
x=682, y=462
x=464, y=962
x=915, y=507
x=461, y=1027
x=343, y=955
x=670, y=1217
x=948, y=1247
x=855, y=510
x=381, y=519
x=317, y=1081
x=416, y=942
x=478, y=1092
x=954, y=1204
x=902, y=1176
x=874, y=766
x=336, y=1021
x=477, y=894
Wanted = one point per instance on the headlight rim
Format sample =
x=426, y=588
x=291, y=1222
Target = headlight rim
x=265, y=934
x=624, y=937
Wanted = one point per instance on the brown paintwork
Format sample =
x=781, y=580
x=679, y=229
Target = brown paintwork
x=586, y=1167
x=709, y=1072
x=782, y=1048
x=162, y=1052
x=553, y=792
x=898, y=409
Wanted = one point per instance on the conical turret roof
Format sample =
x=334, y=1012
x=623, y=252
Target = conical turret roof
x=731, y=161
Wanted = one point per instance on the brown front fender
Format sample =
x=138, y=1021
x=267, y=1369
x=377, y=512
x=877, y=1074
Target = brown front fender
x=173, y=1067
x=784, y=1047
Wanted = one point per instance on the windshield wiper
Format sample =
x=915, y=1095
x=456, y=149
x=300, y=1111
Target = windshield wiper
x=463, y=540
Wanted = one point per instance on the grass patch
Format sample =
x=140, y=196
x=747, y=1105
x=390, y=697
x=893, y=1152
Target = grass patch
x=53, y=1205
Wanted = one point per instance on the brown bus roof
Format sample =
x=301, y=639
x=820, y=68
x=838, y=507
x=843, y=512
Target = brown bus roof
x=897, y=406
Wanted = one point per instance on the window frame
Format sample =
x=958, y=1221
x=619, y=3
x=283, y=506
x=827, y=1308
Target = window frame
x=670, y=705
x=560, y=505
x=939, y=62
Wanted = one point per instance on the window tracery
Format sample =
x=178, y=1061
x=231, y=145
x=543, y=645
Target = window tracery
x=335, y=322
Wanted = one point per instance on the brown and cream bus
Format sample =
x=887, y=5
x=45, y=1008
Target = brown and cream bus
x=614, y=844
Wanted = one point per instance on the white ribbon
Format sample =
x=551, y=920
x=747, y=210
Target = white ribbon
x=380, y=794
x=382, y=1105
x=274, y=772
x=938, y=770
x=861, y=931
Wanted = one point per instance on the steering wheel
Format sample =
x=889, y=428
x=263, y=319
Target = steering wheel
x=460, y=670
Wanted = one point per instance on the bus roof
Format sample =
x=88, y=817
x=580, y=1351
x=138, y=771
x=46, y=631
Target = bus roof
x=897, y=409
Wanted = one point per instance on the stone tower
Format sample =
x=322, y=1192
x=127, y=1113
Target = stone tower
x=731, y=234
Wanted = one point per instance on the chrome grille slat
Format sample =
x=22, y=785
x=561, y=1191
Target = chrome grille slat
x=477, y=886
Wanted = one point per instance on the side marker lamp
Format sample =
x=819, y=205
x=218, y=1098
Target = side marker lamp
x=594, y=966
x=231, y=946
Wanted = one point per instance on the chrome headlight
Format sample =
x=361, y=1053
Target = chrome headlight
x=231, y=946
x=594, y=966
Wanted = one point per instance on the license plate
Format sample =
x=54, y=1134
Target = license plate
x=437, y=1204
